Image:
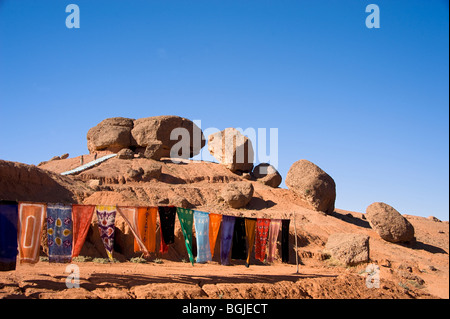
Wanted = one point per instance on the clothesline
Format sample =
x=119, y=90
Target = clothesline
x=68, y=224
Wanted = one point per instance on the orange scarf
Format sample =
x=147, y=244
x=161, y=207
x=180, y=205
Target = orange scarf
x=214, y=226
x=146, y=225
x=31, y=218
x=82, y=217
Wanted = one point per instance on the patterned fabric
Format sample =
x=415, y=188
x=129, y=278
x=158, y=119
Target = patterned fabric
x=262, y=232
x=186, y=218
x=167, y=226
x=59, y=233
x=201, y=222
x=130, y=215
x=239, y=250
x=285, y=240
x=106, y=216
x=31, y=218
x=226, y=238
x=250, y=225
x=8, y=235
x=81, y=218
x=146, y=220
x=214, y=227
x=274, y=230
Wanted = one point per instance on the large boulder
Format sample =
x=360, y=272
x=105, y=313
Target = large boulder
x=152, y=137
x=112, y=134
x=237, y=194
x=267, y=175
x=232, y=149
x=157, y=130
x=389, y=223
x=349, y=249
x=313, y=185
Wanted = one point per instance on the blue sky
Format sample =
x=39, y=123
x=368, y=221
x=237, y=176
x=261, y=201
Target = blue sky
x=369, y=106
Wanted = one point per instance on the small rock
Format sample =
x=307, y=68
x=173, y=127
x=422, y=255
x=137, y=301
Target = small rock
x=238, y=194
x=350, y=249
x=154, y=151
x=267, y=175
x=125, y=153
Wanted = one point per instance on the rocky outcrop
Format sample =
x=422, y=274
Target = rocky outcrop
x=389, y=223
x=24, y=182
x=112, y=134
x=267, y=174
x=313, y=185
x=232, y=149
x=349, y=249
x=153, y=137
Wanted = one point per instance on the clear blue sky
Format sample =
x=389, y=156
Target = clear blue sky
x=369, y=106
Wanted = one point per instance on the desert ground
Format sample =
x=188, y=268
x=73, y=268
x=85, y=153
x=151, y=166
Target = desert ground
x=417, y=269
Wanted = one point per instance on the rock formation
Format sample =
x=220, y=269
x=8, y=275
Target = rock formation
x=267, y=174
x=153, y=137
x=389, y=223
x=349, y=249
x=313, y=185
x=232, y=149
x=237, y=194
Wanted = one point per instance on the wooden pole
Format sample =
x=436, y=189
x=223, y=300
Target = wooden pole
x=296, y=248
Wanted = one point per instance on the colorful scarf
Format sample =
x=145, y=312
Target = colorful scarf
x=186, y=218
x=59, y=233
x=146, y=225
x=262, y=231
x=250, y=224
x=106, y=216
x=31, y=218
x=82, y=217
x=8, y=235
x=214, y=227
x=273, y=237
x=239, y=250
x=201, y=220
x=130, y=215
x=167, y=226
x=285, y=240
x=226, y=238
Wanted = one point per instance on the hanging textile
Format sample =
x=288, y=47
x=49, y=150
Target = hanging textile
x=239, y=250
x=186, y=218
x=214, y=227
x=262, y=232
x=250, y=224
x=130, y=215
x=285, y=240
x=59, y=233
x=31, y=218
x=274, y=230
x=81, y=219
x=106, y=216
x=167, y=226
x=146, y=225
x=8, y=235
x=201, y=222
x=226, y=238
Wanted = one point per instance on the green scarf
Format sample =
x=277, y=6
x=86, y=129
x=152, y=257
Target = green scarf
x=186, y=217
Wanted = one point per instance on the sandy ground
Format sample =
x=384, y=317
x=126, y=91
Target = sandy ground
x=415, y=270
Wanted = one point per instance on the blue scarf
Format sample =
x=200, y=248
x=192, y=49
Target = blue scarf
x=201, y=222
